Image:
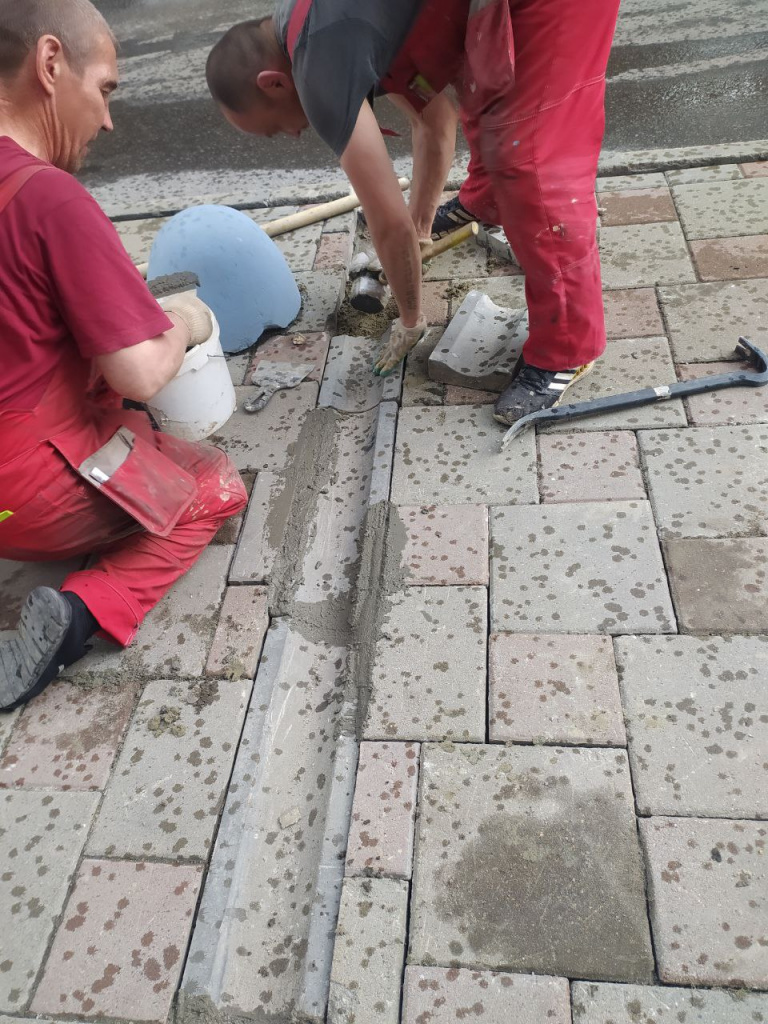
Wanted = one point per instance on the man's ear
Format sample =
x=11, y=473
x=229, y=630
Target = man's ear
x=48, y=60
x=275, y=84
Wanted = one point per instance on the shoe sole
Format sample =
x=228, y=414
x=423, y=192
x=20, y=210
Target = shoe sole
x=25, y=659
x=580, y=374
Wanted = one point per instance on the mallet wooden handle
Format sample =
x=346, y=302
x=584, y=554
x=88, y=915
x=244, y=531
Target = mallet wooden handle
x=449, y=242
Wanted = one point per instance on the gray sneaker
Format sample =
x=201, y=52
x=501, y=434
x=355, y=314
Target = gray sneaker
x=533, y=389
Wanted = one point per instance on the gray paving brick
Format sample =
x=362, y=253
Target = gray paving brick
x=41, y=837
x=504, y=291
x=321, y=294
x=731, y=405
x=662, y=1004
x=590, y=466
x=418, y=387
x=17, y=579
x=243, y=623
x=349, y=383
x=452, y=456
x=383, y=453
x=639, y=255
x=165, y=793
x=429, y=668
x=596, y=570
x=620, y=182
x=718, y=208
x=708, y=481
x=698, y=730
x=262, y=534
x=528, y=859
x=706, y=320
x=694, y=175
x=440, y=996
x=465, y=261
x=708, y=885
x=369, y=952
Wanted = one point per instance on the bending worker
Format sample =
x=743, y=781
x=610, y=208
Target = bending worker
x=80, y=332
x=530, y=77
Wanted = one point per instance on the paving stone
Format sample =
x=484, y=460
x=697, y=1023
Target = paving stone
x=706, y=320
x=621, y=182
x=758, y=169
x=429, y=667
x=636, y=206
x=239, y=636
x=346, y=222
x=383, y=454
x=732, y=405
x=728, y=259
x=443, y=996
x=627, y=365
x=298, y=247
x=294, y=349
x=643, y=255
x=661, y=1004
x=418, y=387
x=321, y=294
x=384, y=812
x=596, y=572
x=41, y=837
x=166, y=791
x=451, y=456
x=719, y=208
x=708, y=885
x=554, y=689
x=468, y=396
x=265, y=440
x=719, y=586
x=7, y=722
x=600, y=466
x=435, y=301
x=17, y=579
x=262, y=534
x=349, y=383
x=632, y=313
x=694, y=175
x=109, y=958
x=334, y=251
x=369, y=952
x=138, y=236
x=445, y=545
x=504, y=291
x=528, y=860
x=708, y=481
x=238, y=365
x=67, y=738
x=698, y=742
x=464, y=262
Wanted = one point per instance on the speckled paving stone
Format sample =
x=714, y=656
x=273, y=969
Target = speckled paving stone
x=465, y=261
x=468, y=396
x=728, y=259
x=138, y=235
x=369, y=952
x=698, y=724
x=657, y=1004
x=598, y=571
x=383, y=814
x=294, y=349
x=643, y=255
x=321, y=293
x=418, y=387
x=554, y=689
x=349, y=383
x=528, y=860
x=334, y=251
x=718, y=208
x=636, y=206
x=440, y=996
x=706, y=320
x=708, y=481
x=120, y=947
x=240, y=633
x=693, y=175
x=452, y=456
x=67, y=738
x=708, y=887
x=262, y=534
x=504, y=291
x=298, y=247
x=429, y=667
x=731, y=405
x=758, y=169
x=166, y=790
x=632, y=313
x=621, y=182
x=17, y=579
x=41, y=837
x=720, y=586
x=600, y=466
x=435, y=301
x=445, y=545
x=627, y=365
x=383, y=453
x=7, y=722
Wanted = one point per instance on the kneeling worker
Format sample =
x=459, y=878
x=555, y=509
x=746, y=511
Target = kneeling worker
x=80, y=332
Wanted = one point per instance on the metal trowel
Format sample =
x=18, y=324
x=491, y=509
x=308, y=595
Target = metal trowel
x=270, y=377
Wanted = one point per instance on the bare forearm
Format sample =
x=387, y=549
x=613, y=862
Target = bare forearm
x=434, y=145
x=140, y=371
x=398, y=251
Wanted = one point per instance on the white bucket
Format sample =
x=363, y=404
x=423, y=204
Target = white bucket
x=201, y=397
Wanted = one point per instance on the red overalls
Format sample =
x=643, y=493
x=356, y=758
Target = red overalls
x=531, y=80
x=181, y=492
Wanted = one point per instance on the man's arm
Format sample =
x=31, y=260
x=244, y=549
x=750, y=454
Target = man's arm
x=140, y=371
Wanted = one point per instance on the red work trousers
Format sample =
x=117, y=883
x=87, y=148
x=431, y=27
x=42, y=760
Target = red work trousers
x=533, y=168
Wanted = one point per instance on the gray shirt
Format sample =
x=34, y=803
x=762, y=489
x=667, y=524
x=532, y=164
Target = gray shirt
x=344, y=49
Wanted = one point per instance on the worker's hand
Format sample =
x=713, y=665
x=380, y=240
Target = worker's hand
x=401, y=340
x=193, y=312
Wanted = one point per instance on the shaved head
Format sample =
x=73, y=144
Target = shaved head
x=235, y=62
x=75, y=23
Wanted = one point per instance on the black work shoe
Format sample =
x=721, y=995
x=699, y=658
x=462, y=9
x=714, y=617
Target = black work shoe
x=450, y=217
x=533, y=389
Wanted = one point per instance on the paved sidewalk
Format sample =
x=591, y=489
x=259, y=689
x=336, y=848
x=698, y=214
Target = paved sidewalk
x=434, y=733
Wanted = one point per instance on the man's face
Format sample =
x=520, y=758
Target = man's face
x=270, y=117
x=80, y=105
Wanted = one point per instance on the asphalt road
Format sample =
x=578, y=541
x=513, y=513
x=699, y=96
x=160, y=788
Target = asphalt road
x=682, y=73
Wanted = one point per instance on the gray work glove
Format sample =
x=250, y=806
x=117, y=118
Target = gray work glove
x=193, y=312
x=401, y=341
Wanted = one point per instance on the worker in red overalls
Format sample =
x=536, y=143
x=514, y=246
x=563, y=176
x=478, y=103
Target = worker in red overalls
x=80, y=331
x=530, y=79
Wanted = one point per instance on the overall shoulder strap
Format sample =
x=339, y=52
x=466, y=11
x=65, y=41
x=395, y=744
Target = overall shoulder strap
x=16, y=181
x=296, y=24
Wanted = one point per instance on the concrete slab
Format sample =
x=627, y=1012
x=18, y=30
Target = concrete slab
x=504, y=291
x=698, y=742
x=598, y=466
x=600, y=571
x=429, y=667
x=528, y=859
x=240, y=633
x=384, y=812
x=109, y=958
x=627, y=365
x=717, y=208
x=661, y=1004
x=621, y=182
x=418, y=388
x=369, y=952
x=734, y=405
x=452, y=456
x=632, y=313
x=445, y=545
x=262, y=535
x=729, y=259
x=165, y=794
x=294, y=349
x=708, y=481
x=464, y=262
x=17, y=579
x=443, y=996
x=321, y=295
x=643, y=255
x=349, y=383
x=694, y=175
x=706, y=320
x=708, y=886
x=636, y=206
x=41, y=838
x=554, y=689
x=719, y=586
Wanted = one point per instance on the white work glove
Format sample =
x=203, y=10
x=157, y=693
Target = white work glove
x=193, y=312
x=401, y=341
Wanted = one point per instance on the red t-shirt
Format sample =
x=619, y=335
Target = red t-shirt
x=66, y=282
